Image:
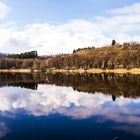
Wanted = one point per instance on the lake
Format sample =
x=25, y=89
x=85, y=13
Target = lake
x=69, y=106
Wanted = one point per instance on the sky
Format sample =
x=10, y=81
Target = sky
x=60, y=26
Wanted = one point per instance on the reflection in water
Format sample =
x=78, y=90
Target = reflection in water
x=116, y=84
x=110, y=84
x=25, y=80
x=123, y=115
x=3, y=129
x=51, y=100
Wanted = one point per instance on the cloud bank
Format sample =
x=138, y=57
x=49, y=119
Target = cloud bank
x=121, y=24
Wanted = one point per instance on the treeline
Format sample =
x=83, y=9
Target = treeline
x=27, y=60
x=26, y=55
x=34, y=64
x=126, y=55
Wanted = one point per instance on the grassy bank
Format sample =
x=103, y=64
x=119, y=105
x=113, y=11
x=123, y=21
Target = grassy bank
x=18, y=70
x=118, y=71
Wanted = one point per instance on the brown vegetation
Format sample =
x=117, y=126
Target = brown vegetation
x=106, y=59
x=96, y=70
x=32, y=64
x=115, y=56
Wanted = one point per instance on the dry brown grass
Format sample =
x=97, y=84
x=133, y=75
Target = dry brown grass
x=119, y=71
x=16, y=70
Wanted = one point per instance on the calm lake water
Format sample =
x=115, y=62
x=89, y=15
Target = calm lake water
x=69, y=107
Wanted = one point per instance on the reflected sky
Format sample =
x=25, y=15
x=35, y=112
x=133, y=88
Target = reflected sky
x=123, y=113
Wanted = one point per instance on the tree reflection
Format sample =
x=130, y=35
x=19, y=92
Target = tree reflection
x=110, y=84
x=113, y=84
x=26, y=80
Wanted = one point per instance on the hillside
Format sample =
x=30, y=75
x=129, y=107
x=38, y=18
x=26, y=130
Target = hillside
x=116, y=56
x=126, y=55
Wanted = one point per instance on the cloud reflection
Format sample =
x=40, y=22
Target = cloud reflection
x=3, y=129
x=50, y=99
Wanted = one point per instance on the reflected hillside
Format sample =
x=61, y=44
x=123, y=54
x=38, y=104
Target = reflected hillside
x=113, y=84
x=109, y=84
x=26, y=80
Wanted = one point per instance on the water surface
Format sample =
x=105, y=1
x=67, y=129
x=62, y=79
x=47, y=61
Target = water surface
x=69, y=106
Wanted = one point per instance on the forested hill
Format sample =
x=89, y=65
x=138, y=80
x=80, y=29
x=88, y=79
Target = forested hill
x=126, y=55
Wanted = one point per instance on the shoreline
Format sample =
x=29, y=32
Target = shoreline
x=18, y=71
x=117, y=71
x=52, y=70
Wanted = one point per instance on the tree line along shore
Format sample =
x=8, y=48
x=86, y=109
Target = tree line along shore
x=114, y=58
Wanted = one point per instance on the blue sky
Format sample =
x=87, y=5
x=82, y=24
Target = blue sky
x=63, y=25
x=55, y=11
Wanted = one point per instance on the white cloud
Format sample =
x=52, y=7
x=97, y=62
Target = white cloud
x=52, y=39
x=131, y=9
x=4, y=10
x=123, y=25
